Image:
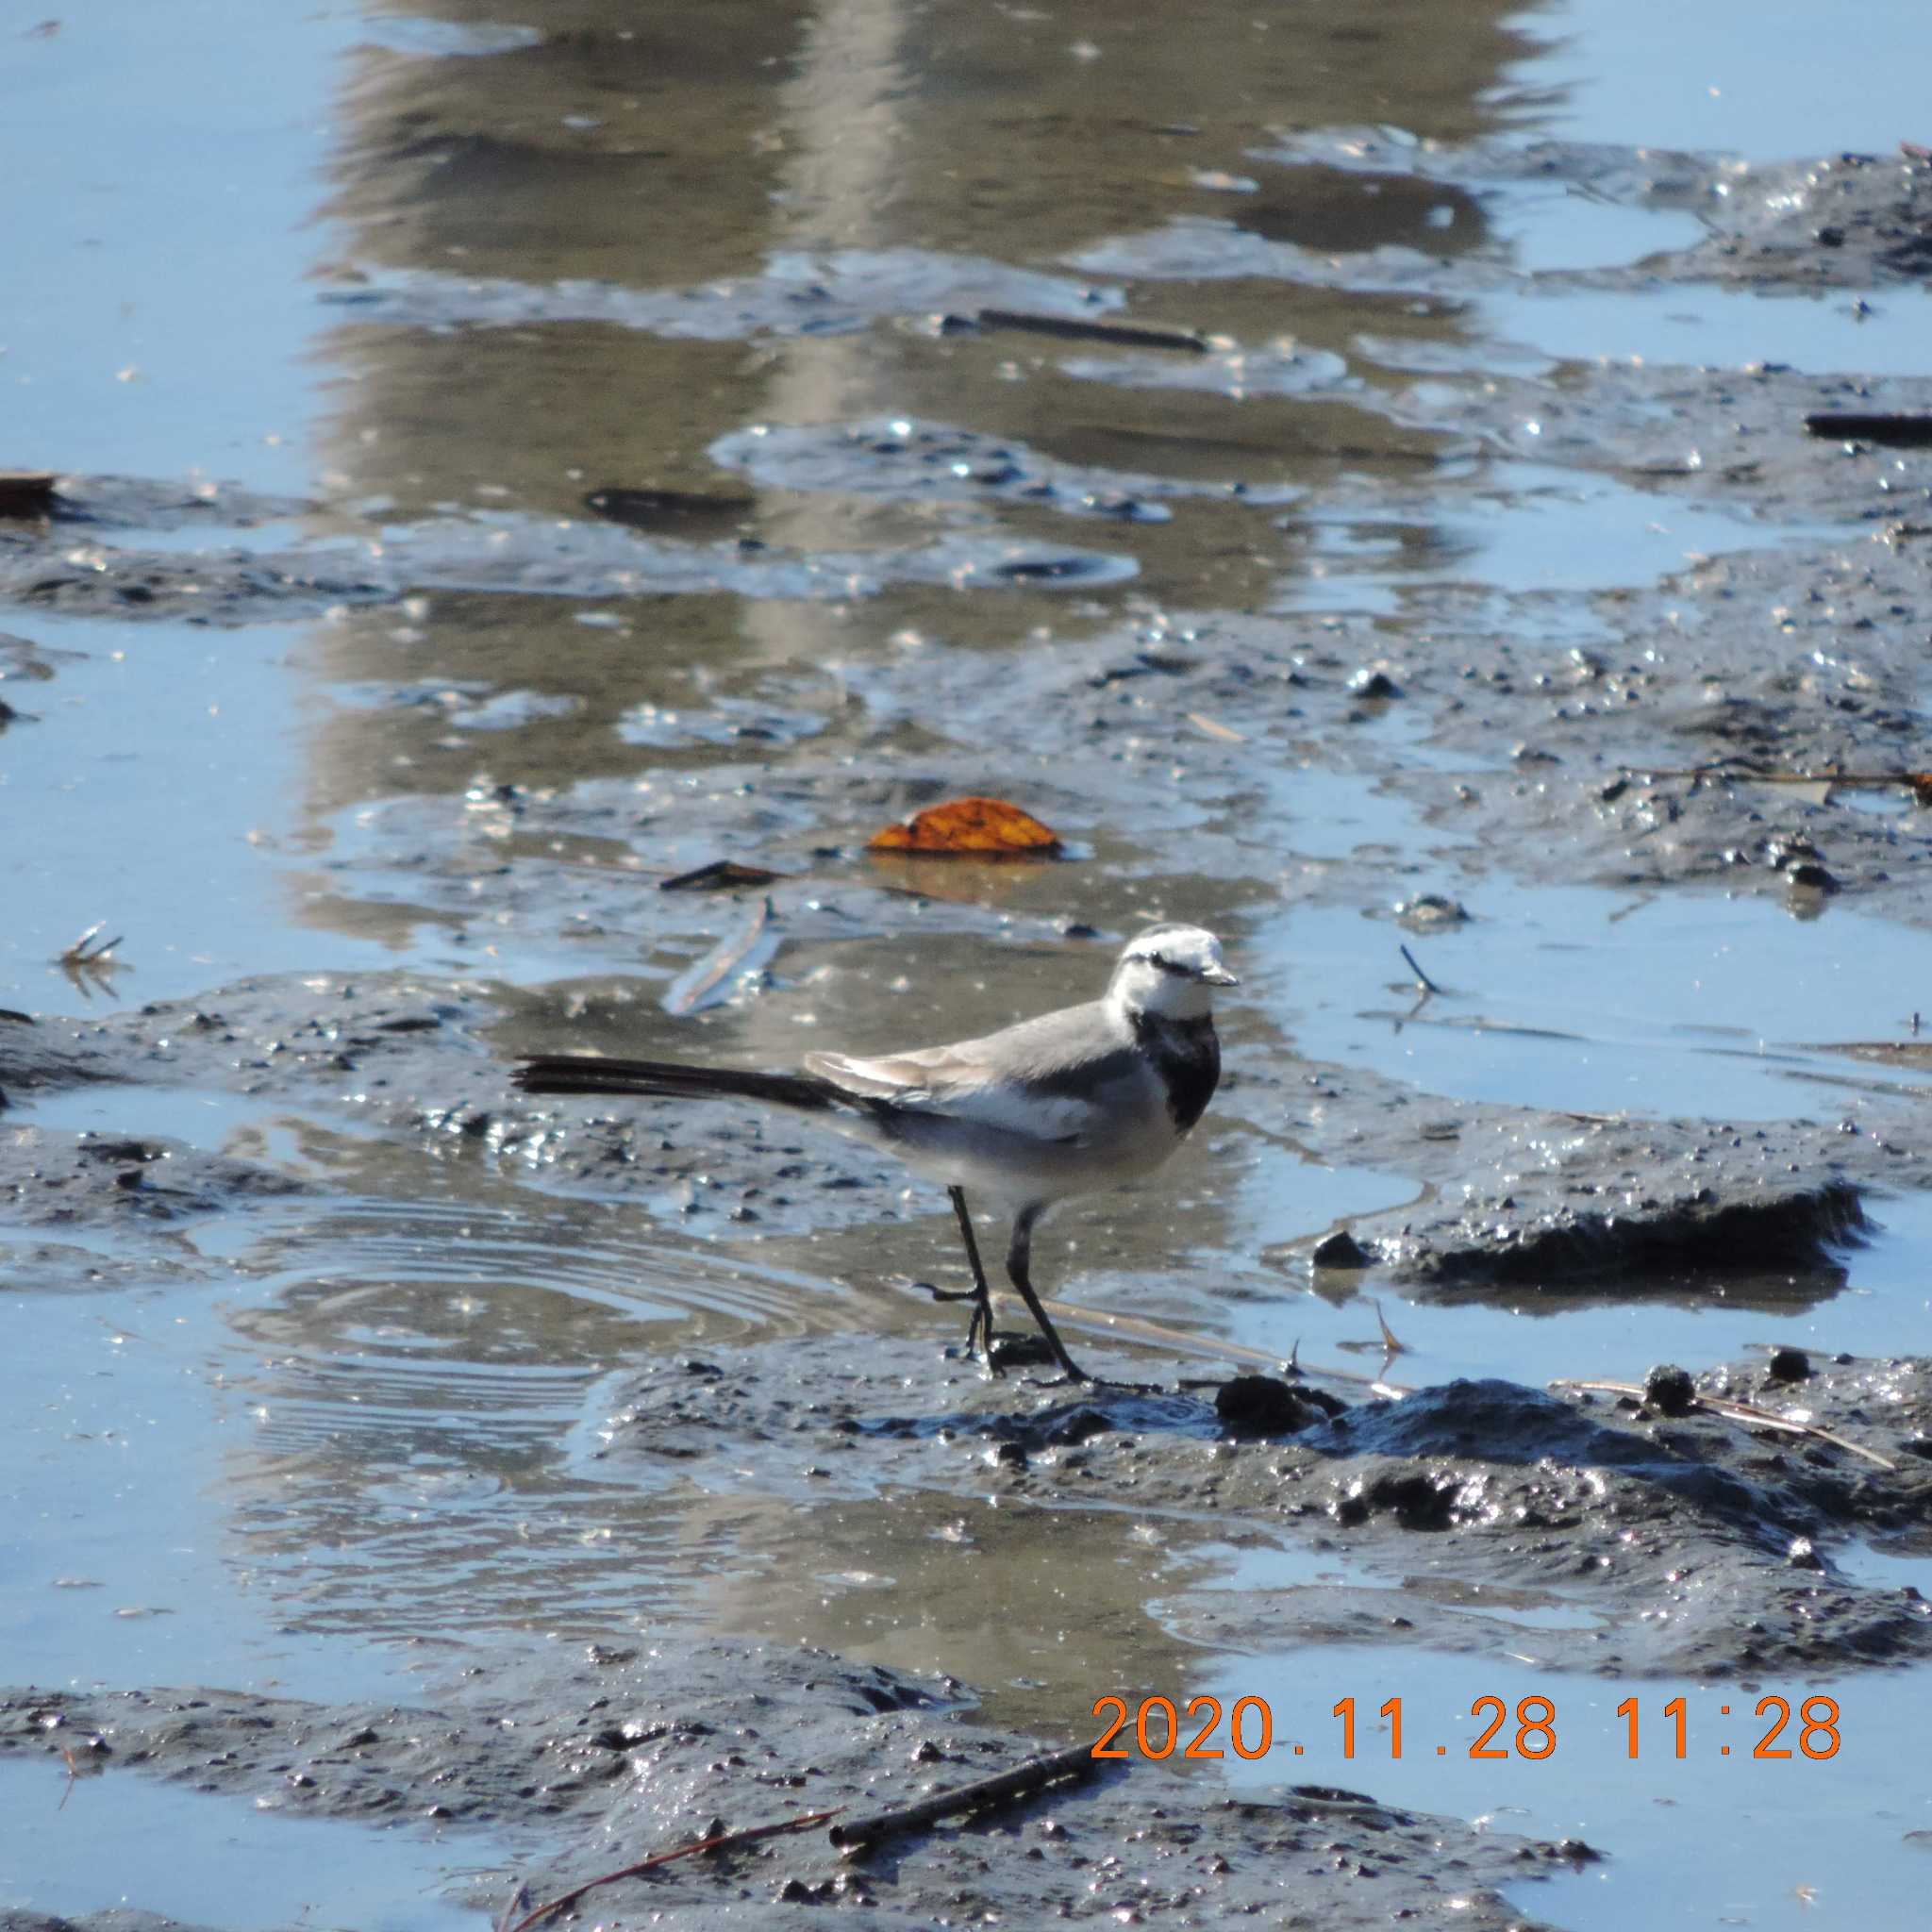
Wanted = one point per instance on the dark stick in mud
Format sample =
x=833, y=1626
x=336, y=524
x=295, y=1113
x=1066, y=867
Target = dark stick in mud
x=1077, y=1761
x=1078, y=328
x=718, y=1841
x=1901, y=430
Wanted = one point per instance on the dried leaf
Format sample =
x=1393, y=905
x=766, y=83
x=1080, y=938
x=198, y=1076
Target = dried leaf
x=970, y=828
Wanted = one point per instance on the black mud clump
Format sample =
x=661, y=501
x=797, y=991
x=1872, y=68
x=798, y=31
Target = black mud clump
x=1669, y=1389
x=1260, y=1406
x=1415, y=1500
x=1340, y=1250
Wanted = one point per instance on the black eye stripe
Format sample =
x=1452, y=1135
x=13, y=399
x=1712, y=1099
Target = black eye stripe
x=1166, y=965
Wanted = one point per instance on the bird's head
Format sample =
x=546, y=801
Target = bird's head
x=1171, y=970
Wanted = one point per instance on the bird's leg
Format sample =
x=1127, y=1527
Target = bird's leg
x=982, y=1295
x=1019, y=1254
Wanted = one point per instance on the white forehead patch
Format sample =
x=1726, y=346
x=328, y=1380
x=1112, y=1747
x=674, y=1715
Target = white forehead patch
x=1189, y=948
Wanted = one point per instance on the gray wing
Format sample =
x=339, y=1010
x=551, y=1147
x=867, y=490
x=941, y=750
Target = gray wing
x=1049, y=1079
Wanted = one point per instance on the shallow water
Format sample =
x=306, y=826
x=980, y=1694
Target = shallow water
x=442, y=276
x=117, y=1839
x=1593, y=1001
x=1764, y=89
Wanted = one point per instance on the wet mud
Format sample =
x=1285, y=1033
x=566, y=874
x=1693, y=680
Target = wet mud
x=1687, y=1544
x=686, y=1740
x=1176, y=599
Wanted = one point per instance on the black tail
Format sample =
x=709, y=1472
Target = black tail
x=581, y=1072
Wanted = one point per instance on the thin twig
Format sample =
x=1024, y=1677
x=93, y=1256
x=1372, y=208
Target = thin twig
x=90, y=962
x=1388, y=1341
x=1077, y=1761
x=89, y=949
x=1428, y=985
x=718, y=1841
x=1746, y=1412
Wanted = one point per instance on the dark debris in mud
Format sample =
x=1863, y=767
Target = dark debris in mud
x=618, y=1754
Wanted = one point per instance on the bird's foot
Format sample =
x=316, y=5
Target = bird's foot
x=979, y=1343
x=1071, y=1377
x=1011, y=1351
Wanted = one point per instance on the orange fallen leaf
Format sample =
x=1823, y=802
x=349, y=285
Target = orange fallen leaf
x=970, y=828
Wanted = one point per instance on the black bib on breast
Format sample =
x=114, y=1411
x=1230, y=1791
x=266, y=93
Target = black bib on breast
x=1187, y=1056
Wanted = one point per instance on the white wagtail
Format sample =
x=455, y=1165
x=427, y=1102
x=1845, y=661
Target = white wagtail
x=1076, y=1100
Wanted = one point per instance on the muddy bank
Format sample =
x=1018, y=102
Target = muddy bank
x=1508, y=1198
x=1694, y=740
x=1511, y=1198
x=1684, y=1543
x=595, y=1761
x=117, y=1919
